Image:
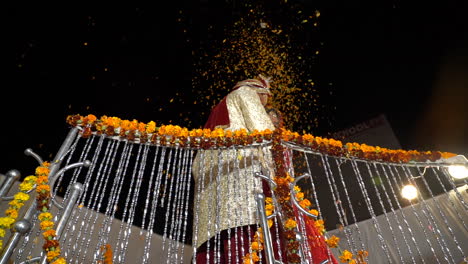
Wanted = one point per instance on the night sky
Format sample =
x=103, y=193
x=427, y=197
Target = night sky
x=409, y=62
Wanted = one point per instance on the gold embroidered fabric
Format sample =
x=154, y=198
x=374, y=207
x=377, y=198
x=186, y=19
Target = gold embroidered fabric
x=225, y=182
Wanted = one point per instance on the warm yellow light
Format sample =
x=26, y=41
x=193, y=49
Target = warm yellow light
x=458, y=171
x=409, y=192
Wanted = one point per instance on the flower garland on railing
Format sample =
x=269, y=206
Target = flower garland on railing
x=206, y=138
x=15, y=205
x=51, y=245
x=282, y=192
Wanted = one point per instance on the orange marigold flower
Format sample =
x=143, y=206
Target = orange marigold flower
x=59, y=261
x=43, y=188
x=125, y=124
x=363, y=253
x=300, y=196
x=41, y=180
x=346, y=256
x=45, y=225
x=305, y=203
x=44, y=216
x=141, y=127
x=256, y=246
x=133, y=124
x=42, y=170
x=52, y=254
x=91, y=118
x=314, y=212
x=13, y=213
x=49, y=234
x=333, y=241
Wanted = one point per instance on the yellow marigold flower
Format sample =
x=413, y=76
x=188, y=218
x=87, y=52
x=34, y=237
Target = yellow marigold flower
x=59, y=261
x=269, y=207
x=297, y=188
x=25, y=186
x=45, y=225
x=346, y=256
x=16, y=203
x=333, y=241
x=45, y=216
x=353, y=261
x=268, y=200
x=43, y=188
x=49, y=233
x=21, y=196
x=290, y=224
x=151, y=127
x=270, y=222
x=2, y=232
x=6, y=222
x=52, y=254
x=30, y=178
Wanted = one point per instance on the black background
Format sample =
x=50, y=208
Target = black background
x=408, y=61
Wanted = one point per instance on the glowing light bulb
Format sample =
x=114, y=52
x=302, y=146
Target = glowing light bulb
x=409, y=192
x=458, y=171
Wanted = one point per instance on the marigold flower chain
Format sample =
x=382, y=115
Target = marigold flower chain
x=206, y=138
x=15, y=205
x=51, y=244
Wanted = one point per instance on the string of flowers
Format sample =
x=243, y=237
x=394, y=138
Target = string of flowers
x=15, y=205
x=282, y=191
x=206, y=138
x=51, y=245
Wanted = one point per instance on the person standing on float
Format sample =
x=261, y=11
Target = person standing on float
x=225, y=227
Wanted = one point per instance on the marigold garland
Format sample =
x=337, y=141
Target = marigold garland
x=51, y=245
x=206, y=138
x=15, y=205
x=172, y=134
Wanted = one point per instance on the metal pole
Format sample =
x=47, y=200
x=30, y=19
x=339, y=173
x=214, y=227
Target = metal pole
x=10, y=177
x=76, y=190
x=21, y=228
x=270, y=257
x=55, y=164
